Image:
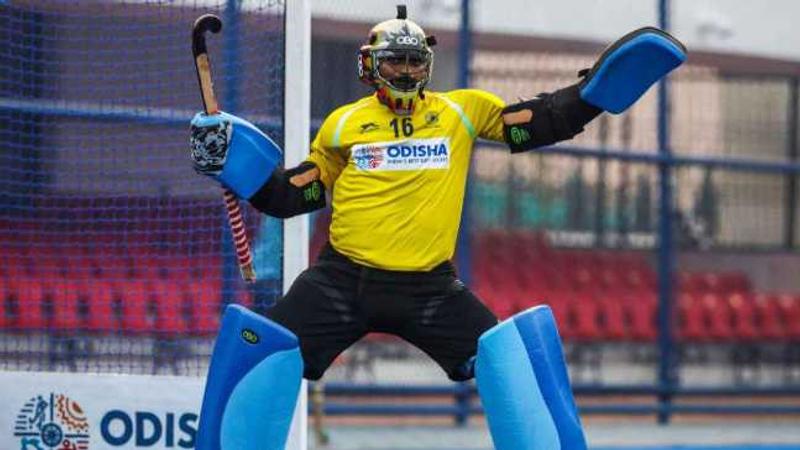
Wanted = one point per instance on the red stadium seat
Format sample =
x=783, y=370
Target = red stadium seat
x=559, y=304
x=586, y=313
x=743, y=312
x=769, y=316
x=27, y=298
x=64, y=297
x=613, y=321
x=610, y=280
x=790, y=308
x=693, y=324
x=171, y=308
x=638, y=278
x=6, y=313
x=136, y=306
x=206, y=306
x=505, y=300
x=583, y=278
x=642, y=311
x=17, y=264
x=719, y=316
x=101, y=296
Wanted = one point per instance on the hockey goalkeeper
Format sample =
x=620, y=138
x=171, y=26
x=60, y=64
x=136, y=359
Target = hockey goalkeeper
x=395, y=164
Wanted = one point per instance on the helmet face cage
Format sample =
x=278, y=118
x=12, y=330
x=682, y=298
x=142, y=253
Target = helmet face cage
x=404, y=83
x=397, y=41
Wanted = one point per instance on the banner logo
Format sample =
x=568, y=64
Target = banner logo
x=414, y=154
x=52, y=422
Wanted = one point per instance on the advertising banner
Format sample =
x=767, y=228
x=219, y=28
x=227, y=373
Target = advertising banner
x=71, y=411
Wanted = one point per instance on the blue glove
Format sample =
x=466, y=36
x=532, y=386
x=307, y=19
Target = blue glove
x=233, y=151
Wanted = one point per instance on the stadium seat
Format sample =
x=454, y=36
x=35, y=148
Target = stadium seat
x=693, y=325
x=63, y=296
x=559, y=303
x=719, y=317
x=769, y=317
x=172, y=314
x=136, y=306
x=613, y=323
x=583, y=278
x=790, y=308
x=638, y=278
x=641, y=311
x=610, y=281
x=206, y=306
x=27, y=304
x=586, y=313
x=15, y=264
x=744, y=318
x=6, y=318
x=101, y=298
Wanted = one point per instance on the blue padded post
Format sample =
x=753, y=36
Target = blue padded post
x=252, y=385
x=524, y=386
x=629, y=67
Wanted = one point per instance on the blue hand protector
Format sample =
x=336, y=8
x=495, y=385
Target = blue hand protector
x=233, y=151
x=625, y=71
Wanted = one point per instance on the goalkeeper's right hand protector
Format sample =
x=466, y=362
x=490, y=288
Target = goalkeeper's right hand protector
x=243, y=159
x=233, y=151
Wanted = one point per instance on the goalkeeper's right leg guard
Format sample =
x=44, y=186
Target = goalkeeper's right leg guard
x=252, y=386
x=524, y=387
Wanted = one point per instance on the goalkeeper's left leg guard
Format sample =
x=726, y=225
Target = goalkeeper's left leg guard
x=523, y=384
x=252, y=385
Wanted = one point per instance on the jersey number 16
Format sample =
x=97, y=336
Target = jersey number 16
x=407, y=127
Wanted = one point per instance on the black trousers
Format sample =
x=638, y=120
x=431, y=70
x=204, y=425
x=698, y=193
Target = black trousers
x=335, y=302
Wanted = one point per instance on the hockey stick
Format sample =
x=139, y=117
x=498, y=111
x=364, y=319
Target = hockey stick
x=212, y=23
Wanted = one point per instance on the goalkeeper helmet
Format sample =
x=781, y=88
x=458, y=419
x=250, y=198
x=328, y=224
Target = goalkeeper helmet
x=397, y=61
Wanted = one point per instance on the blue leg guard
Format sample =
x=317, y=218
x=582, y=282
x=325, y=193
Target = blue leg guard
x=252, y=385
x=523, y=384
x=629, y=67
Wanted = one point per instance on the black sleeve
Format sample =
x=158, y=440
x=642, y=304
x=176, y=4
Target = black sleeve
x=546, y=119
x=278, y=197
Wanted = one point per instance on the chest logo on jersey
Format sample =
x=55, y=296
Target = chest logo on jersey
x=414, y=154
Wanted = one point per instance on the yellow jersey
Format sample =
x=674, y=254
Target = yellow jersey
x=398, y=182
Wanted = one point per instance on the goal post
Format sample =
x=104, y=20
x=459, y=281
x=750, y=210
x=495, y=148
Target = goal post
x=297, y=122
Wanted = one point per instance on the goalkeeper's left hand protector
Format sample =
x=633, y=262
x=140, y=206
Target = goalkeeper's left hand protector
x=627, y=68
x=621, y=75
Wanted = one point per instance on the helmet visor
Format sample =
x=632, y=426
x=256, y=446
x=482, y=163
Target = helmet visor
x=403, y=69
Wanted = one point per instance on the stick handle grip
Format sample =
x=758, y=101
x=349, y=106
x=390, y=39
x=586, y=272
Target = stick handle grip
x=240, y=241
